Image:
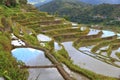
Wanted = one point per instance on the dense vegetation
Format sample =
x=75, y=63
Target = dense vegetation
x=25, y=22
x=107, y=14
x=9, y=68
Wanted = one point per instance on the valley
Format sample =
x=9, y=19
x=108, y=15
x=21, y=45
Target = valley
x=64, y=50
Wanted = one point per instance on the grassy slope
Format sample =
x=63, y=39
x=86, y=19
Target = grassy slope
x=11, y=70
x=8, y=66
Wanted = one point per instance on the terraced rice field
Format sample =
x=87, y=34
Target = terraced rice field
x=95, y=50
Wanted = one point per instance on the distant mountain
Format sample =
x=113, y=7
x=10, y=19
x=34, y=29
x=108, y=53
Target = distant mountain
x=38, y=2
x=108, y=10
x=81, y=12
x=101, y=1
x=64, y=6
x=42, y=3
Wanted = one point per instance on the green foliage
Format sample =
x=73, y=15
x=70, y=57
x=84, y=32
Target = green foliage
x=63, y=31
x=84, y=13
x=5, y=42
x=13, y=3
x=9, y=69
x=49, y=45
x=113, y=44
x=56, y=26
x=10, y=3
x=111, y=47
x=16, y=29
x=117, y=54
x=4, y=22
x=109, y=50
x=63, y=53
x=99, y=45
x=92, y=41
x=2, y=1
x=21, y=24
x=23, y=2
x=31, y=39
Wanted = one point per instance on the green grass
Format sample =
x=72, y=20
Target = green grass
x=92, y=41
x=9, y=66
x=113, y=44
x=117, y=54
x=10, y=69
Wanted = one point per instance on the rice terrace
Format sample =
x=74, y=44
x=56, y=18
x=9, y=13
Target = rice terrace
x=35, y=45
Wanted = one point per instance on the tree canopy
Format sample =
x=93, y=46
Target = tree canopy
x=12, y=3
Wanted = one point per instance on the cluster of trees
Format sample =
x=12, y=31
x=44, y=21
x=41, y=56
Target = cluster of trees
x=13, y=3
x=84, y=13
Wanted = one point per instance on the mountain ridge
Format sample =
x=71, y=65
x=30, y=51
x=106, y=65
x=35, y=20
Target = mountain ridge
x=81, y=12
x=94, y=2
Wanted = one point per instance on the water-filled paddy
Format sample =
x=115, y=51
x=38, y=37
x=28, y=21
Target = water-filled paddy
x=34, y=57
x=90, y=63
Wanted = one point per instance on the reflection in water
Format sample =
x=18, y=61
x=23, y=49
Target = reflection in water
x=57, y=46
x=42, y=37
x=107, y=33
x=45, y=74
x=93, y=32
x=1, y=78
x=90, y=63
x=25, y=54
x=34, y=57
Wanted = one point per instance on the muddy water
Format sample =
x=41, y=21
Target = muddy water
x=34, y=57
x=90, y=63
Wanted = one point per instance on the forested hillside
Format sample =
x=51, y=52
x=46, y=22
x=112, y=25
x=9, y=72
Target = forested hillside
x=108, y=14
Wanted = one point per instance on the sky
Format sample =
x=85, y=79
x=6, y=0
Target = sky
x=88, y=1
x=35, y=1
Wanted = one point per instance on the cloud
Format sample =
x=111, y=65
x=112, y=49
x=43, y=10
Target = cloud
x=35, y=1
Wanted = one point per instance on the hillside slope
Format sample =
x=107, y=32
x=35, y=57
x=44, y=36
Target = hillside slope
x=24, y=23
x=83, y=13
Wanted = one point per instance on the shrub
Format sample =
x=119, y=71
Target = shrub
x=117, y=54
x=9, y=69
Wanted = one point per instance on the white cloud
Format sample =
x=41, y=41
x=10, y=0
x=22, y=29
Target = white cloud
x=35, y=1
